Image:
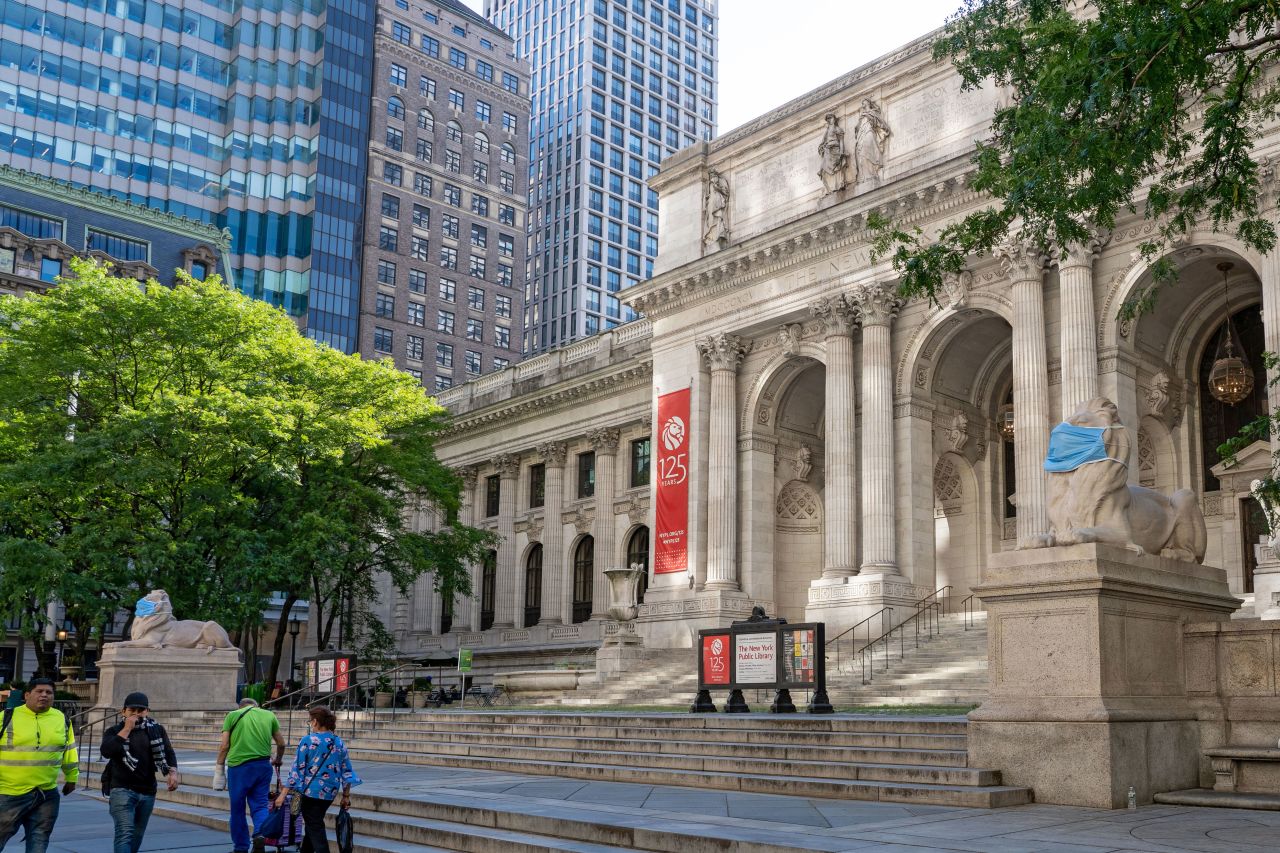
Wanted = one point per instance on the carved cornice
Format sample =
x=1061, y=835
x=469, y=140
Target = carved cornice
x=838, y=315
x=604, y=441
x=878, y=303
x=722, y=351
x=553, y=453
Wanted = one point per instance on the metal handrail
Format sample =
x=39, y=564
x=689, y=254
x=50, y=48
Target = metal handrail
x=929, y=615
x=884, y=613
x=938, y=594
x=967, y=606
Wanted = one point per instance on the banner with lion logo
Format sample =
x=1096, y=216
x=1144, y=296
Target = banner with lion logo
x=671, y=497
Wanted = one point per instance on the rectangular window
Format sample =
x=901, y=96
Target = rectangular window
x=453, y=195
x=420, y=248
x=639, y=462
x=387, y=273
x=385, y=306
x=449, y=226
x=387, y=238
x=417, y=281
x=417, y=314
x=479, y=236
x=507, y=182
x=448, y=289
x=501, y=363
x=502, y=305
x=480, y=172
x=476, y=266
x=31, y=224
x=479, y=204
x=444, y=355
x=504, y=275
x=392, y=174
x=401, y=33
x=397, y=75
x=443, y=382
x=448, y=257
x=430, y=45
x=511, y=82
x=484, y=71
x=537, y=485
x=475, y=330
x=422, y=183
x=427, y=87
x=458, y=58
x=506, y=214
x=502, y=337
x=506, y=245
x=483, y=111
x=50, y=269
x=587, y=474
x=390, y=206
x=509, y=122
x=475, y=298
x=472, y=363
x=118, y=247
x=452, y=161
x=413, y=347
x=444, y=322
x=382, y=339
x=423, y=150
x=421, y=216
x=491, y=495
x=457, y=100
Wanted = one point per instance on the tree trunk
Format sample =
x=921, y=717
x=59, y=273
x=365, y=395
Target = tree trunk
x=277, y=648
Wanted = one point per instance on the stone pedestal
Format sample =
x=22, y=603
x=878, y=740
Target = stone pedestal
x=173, y=679
x=614, y=660
x=1088, y=692
x=1266, y=582
x=843, y=602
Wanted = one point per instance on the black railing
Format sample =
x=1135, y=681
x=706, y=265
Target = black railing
x=850, y=636
x=967, y=606
x=925, y=623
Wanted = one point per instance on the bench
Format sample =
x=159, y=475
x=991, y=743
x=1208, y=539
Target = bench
x=1245, y=769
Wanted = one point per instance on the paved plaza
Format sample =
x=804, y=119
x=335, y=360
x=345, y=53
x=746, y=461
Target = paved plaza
x=803, y=823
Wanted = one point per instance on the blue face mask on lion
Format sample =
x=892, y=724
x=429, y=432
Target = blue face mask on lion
x=155, y=628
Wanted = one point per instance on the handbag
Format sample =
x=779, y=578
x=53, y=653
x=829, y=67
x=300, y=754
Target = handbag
x=344, y=831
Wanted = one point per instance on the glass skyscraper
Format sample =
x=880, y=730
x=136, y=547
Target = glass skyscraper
x=251, y=115
x=617, y=85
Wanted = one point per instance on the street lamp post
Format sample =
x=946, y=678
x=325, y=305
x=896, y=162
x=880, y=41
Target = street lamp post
x=62, y=638
x=294, y=627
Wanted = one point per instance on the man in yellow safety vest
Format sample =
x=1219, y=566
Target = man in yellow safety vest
x=35, y=743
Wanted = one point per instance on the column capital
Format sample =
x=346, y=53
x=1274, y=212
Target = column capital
x=877, y=303
x=723, y=351
x=554, y=452
x=604, y=441
x=469, y=474
x=1021, y=260
x=1083, y=254
x=508, y=465
x=837, y=313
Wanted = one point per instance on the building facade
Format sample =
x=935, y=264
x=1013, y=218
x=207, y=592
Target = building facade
x=616, y=87
x=445, y=248
x=846, y=451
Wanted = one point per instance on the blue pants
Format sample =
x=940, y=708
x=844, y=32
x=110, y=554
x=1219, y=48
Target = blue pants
x=130, y=812
x=250, y=783
x=34, y=811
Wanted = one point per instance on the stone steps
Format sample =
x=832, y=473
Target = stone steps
x=892, y=759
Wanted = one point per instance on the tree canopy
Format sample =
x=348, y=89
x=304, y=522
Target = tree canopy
x=1114, y=106
x=191, y=439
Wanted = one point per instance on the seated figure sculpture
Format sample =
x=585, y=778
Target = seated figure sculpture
x=1090, y=498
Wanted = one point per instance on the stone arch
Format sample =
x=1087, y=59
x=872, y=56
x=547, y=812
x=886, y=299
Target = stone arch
x=772, y=379
x=798, y=520
x=939, y=327
x=958, y=543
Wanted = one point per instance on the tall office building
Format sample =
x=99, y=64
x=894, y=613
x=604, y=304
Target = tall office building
x=445, y=224
x=247, y=114
x=617, y=85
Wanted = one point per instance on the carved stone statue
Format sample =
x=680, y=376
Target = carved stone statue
x=803, y=463
x=832, y=158
x=958, y=434
x=155, y=628
x=1090, y=499
x=715, y=232
x=1158, y=396
x=869, y=140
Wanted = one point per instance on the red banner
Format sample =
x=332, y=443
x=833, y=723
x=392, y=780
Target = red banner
x=671, y=539
x=715, y=659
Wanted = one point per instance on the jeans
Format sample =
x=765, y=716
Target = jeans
x=34, y=811
x=314, y=840
x=130, y=812
x=250, y=783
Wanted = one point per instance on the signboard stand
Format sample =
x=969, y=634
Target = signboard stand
x=765, y=654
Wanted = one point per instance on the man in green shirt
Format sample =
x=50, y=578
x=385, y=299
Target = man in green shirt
x=244, y=768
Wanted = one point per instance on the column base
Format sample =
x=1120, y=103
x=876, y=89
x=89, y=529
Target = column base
x=844, y=602
x=721, y=586
x=839, y=572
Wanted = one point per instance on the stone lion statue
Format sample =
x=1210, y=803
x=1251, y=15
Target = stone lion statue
x=155, y=628
x=1091, y=500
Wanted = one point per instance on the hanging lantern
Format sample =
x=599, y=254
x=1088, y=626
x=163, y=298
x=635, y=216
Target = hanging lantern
x=1004, y=421
x=1230, y=378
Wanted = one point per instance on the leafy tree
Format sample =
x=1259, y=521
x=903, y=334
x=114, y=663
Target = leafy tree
x=190, y=438
x=1115, y=106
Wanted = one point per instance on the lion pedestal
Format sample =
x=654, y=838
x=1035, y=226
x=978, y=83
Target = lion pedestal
x=1088, y=690
x=174, y=679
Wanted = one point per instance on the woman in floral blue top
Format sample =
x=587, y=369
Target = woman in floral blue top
x=320, y=770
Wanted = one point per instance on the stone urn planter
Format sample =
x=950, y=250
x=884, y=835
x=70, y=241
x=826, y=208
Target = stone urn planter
x=382, y=699
x=418, y=700
x=623, y=583
x=70, y=672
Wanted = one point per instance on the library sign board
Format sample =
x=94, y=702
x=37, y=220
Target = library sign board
x=329, y=672
x=762, y=656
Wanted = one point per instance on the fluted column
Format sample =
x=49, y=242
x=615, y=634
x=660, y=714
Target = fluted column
x=723, y=354
x=1024, y=263
x=1079, y=340
x=556, y=598
x=1269, y=273
x=467, y=610
x=839, y=316
x=878, y=304
x=508, y=574
x=605, y=444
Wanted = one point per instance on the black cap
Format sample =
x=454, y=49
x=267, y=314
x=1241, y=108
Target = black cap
x=136, y=700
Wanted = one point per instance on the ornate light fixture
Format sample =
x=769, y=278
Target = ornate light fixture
x=1004, y=421
x=1230, y=378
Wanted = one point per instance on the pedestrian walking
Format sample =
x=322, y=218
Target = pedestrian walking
x=136, y=750
x=321, y=769
x=244, y=768
x=35, y=743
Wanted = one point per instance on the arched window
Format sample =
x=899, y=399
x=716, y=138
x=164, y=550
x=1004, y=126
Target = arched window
x=426, y=120
x=638, y=552
x=584, y=560
x=488, y=587
x=508, y=153
x=533, y=587
x=482, y=144
x=395, y=107
x=453, y=131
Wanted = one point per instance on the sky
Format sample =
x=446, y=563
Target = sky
x=772, y=52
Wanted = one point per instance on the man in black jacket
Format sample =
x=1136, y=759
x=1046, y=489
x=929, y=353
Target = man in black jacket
x=135, y=750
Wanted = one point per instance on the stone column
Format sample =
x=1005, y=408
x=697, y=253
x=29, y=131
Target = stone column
x=467, y=609
x=605, y=444
x=1270, y=276
x=1079, y=341
x=838, y=316
x=878, y=304
x=1024, y=264
x=723, y=354
x=508, y=575
x=555, y=580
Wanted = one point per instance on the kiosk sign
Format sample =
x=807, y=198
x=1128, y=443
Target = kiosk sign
x=756, y=658
x=715, y=658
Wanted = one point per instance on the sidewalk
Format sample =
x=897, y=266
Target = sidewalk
x=85, y=827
